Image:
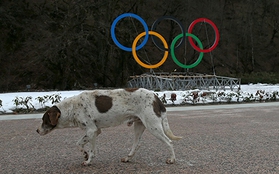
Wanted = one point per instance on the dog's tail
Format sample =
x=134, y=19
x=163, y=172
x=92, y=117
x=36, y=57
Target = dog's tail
x=167, y=129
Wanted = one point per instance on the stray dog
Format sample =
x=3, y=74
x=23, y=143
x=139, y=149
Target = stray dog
x=97, y=109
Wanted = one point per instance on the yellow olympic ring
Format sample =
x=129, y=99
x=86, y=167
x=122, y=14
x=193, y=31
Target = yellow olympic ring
x=135, y=54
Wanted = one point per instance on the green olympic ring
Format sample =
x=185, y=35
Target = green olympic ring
x=173, y=54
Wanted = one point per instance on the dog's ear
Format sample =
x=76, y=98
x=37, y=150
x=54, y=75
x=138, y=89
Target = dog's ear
x=54, y=118
x=54, y=115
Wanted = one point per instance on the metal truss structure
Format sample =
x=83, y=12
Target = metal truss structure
x=183, y=81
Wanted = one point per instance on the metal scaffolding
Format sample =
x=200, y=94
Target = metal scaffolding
x=183, y=81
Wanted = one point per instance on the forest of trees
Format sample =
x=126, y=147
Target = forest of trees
x=66, y=44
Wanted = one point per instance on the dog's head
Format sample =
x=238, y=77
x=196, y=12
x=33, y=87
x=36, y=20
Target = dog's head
x=50, y=120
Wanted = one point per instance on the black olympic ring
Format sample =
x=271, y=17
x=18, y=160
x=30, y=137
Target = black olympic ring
x=154, y=25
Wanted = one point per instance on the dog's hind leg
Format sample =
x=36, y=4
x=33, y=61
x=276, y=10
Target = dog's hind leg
x=155, y=127
x=138, y=129
x=92, y=134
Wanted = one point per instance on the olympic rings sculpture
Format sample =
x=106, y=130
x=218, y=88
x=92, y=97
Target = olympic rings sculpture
x=166, y=48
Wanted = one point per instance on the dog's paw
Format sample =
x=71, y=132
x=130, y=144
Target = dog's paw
x=125, y=160
x=85, y=163
x=170, y=161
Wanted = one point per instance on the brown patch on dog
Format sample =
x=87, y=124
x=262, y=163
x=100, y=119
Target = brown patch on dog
x=50, y=118
x=53, y=114
x=131, y=89
x=158, y=106
x=103, y=103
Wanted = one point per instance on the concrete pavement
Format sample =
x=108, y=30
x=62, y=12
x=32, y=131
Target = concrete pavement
x=216, y=139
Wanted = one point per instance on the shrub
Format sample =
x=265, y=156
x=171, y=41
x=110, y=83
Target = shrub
x=21, y=101
x=54, y=98
x=260, y=77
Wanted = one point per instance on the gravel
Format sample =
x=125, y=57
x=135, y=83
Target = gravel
x=242, y=140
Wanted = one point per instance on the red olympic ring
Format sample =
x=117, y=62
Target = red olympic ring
x=217, y=36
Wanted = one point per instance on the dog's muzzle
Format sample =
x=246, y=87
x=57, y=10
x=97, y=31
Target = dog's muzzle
x=43, y=131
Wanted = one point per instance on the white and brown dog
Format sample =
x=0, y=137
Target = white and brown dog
x=97, y=109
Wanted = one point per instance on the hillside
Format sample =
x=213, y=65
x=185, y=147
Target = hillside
x=67, y=44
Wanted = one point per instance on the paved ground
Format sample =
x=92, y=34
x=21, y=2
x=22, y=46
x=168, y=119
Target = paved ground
x=224, y=140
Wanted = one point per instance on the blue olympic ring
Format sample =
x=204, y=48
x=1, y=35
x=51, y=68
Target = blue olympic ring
x=112, y=31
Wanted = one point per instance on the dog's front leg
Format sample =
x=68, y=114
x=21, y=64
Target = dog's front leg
x=81, y=143
x=138, y=129
x=91, y=134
